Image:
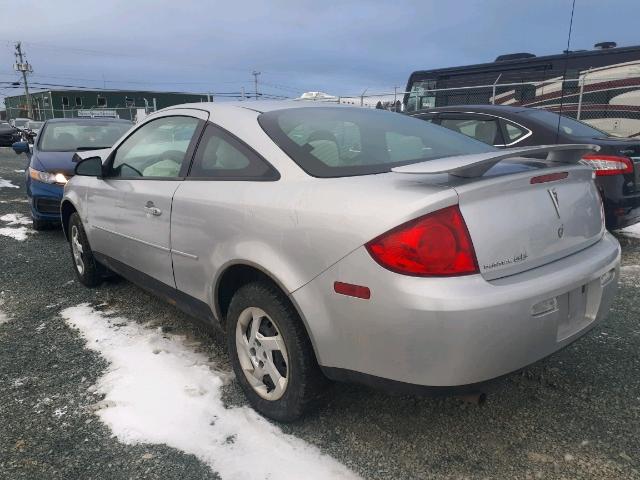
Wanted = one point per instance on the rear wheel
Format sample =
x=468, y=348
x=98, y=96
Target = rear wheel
x=87, y=270
x=271, y=353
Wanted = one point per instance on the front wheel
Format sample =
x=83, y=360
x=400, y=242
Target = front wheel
x=87, y=269
x=271, y=353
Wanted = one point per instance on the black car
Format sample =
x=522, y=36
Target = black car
x=617, y=164
x=8, y=135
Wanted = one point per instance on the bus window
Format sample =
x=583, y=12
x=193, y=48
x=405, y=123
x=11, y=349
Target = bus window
x=421, y=95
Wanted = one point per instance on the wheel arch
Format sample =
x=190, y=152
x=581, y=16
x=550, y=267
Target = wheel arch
x=67, y=208
x=236, y=274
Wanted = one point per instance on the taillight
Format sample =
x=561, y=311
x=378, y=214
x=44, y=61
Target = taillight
x=437, y=244
x=608, y=164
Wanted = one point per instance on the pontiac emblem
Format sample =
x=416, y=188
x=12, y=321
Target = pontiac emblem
x=554, y=198
x=561, y=231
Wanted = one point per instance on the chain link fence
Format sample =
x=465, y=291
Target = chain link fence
x=609, y=103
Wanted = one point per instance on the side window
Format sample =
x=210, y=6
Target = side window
x=157, y=149
x=514, y=132
x=484, y=130
x=219, y=155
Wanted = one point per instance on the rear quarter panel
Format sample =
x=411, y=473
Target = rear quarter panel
x=291, y=229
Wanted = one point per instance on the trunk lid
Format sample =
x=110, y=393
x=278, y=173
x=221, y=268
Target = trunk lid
x=518, y=213
x=516, y=225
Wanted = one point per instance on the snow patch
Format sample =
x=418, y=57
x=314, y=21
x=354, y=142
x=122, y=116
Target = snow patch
x=19, y=233
x=630, y=269
x=7, y=184
x=157, y=389
x=16, y=232
x=3, y=316
x=15, y=219
x=632, y=231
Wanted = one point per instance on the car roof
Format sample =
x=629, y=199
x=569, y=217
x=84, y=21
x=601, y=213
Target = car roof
x=259, y=106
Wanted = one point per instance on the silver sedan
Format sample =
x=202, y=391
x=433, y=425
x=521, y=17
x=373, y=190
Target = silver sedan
x=350, y=244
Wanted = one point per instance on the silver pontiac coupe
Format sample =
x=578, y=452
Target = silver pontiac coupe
x=342, y=243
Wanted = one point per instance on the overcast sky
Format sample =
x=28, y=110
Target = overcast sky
x=338, y=47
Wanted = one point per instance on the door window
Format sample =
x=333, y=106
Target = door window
x=221, y=156
x=484, y=130
x=157, y=149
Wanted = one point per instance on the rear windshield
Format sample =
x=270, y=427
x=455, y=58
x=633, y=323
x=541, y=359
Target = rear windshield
x=343, y=141
x=81, y=135
x=568, y=126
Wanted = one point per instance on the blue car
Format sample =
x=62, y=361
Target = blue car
x=51, y=163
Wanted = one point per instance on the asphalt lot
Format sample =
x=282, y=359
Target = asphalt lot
x=574, y=415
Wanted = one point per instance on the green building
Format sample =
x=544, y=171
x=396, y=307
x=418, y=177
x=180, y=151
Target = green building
x=106, y=103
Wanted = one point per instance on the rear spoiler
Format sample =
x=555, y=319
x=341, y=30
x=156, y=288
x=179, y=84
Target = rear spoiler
x=476, y=164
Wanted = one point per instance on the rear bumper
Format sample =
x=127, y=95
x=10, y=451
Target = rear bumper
x=447, y=332
x=623, y=213
x=45, y=200
x=621, y=210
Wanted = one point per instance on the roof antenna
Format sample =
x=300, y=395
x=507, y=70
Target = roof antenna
x=564, y=74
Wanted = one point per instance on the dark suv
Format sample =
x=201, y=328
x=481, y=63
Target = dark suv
x=617, y=164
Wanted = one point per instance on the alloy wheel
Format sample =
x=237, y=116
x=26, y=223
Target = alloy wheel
x=262, y=353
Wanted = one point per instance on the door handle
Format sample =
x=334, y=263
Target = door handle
x=152, y=209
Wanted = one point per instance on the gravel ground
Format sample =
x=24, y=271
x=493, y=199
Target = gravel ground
x=574, y=415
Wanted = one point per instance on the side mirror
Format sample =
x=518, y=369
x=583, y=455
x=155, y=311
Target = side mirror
x=89, y=167
x=20, y=147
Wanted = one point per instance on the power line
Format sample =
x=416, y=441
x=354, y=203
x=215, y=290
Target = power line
x=282, y=87
x=45, y=86
x=48, y=46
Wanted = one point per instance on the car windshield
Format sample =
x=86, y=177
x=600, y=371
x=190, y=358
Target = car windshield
x=343, y=141
x=19, y=123
x=34, y=125
x=568, y=125
x=81, y=135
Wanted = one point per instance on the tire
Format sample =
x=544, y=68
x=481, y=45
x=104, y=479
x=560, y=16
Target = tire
x=278, y=324
x=41, y=225
x=88, y=271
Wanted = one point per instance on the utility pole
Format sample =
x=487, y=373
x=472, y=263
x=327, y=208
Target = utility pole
x=23, y=66
x=255, y=81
